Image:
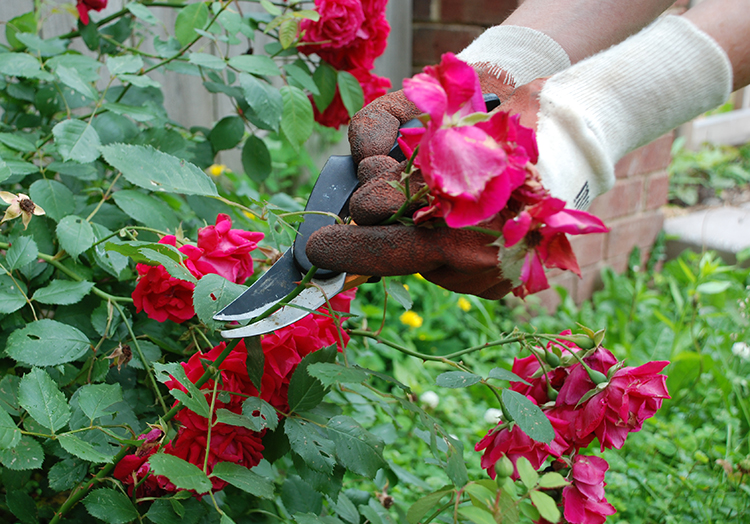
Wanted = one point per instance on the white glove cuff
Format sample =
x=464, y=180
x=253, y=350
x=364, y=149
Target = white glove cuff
x=524, y=54
x=595, y=112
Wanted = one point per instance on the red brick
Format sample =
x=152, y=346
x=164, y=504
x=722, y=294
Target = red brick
x=589, y=249
x=623, y=199
x=431, y=41
x=657, y=191
x=646, y=159
x=629, y=232
x=482, y=12
x=549, y=298
x=591, y=280
x=421, y=10
x=618, y=263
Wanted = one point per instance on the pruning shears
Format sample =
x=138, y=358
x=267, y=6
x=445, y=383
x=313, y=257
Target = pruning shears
x=335, y=185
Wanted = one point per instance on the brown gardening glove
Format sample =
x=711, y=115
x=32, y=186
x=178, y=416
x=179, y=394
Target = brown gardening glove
x=456, y=259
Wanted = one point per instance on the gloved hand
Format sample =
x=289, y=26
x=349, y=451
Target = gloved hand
x=587, y=117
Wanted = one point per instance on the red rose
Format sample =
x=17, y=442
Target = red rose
x=133, y=468
x=162, y=296
x=583, y=499
x=340, y=22
x=228, y=444
x=84, y=6
x=515, y=444
x=226, y=251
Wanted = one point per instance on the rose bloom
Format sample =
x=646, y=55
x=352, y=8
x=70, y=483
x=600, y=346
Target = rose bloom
x=583, y=499
x=162, y=296
x=84, y=6
x=631, y=396
x=228, y=444
x=515, y=444
x=133, y=468
x=226, y=251
x=471, y=169
x=340, y=22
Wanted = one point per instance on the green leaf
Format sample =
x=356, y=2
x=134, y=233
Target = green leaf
x=713, y=288
x=86, y=67
x=95, y=399
x=146, y=209
x=182, y=474
x=10, y=435
x=270, y=8
x=194, y=399
x=124, y=64
x=63, y=292
x=330, y=374
x=142, y=12
x=39, y=395
x=288, y=31
x=255, y=65
x=212, y=294
x=22, y=506
x=26, y=23
x=528, y=474
x=245, y=479
x=227, y=133
x=73, y=79
x=302, y=78
x=82, y=449
x=27, y=454
x=54, y=197
x=139, y=114
x=11, y=294
x=190, y=18
x=351, y=92
x=456, y=466
x=76, y=140
x=546, y=505
x=552, y=480
x=139, y=81
x=357, y=449
x=225, y=416
x=43, y=47
x=66, y=474
x=297, y=117
x=150, y=169
x=133, y=250
x=317, y=451
x=22, y=251
x=457, y=379
x=476, y=515
x=504, y=374
x=326, y=79
x=5, y=171
x=266, y=414
x=265, y=101
x=256, y=159
x=47, y=342
x=427, y=503
x=400, y=294
x=207, y=60
x=9, y=394
x=528, y=416
x=75, y=235
x=110, y=506
x=306, y=392
x=17, y=142
x=481, y=494
x=19, y=64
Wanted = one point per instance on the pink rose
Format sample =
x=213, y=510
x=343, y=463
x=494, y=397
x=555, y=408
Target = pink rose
x=161, y=295
x=515, y=444
x=583, y=499
x=84, y=6
x=340, y=22
x=226, y=251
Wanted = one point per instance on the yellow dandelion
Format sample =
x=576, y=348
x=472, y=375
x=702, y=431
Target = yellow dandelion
x=463, y=304
x=217, y=169
x=411, y=319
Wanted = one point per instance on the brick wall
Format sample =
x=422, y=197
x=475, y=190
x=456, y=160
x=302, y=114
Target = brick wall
x=631, y=209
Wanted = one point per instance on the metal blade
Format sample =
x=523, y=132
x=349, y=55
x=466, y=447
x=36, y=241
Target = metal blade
x=268, y=290
x=310, y=298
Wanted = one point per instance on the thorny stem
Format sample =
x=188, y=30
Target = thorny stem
x=210, y=423
x=144, y=360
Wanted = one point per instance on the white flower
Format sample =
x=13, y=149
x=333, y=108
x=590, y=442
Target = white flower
x=742, y=350
x=429, y=398
x=493, y=416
